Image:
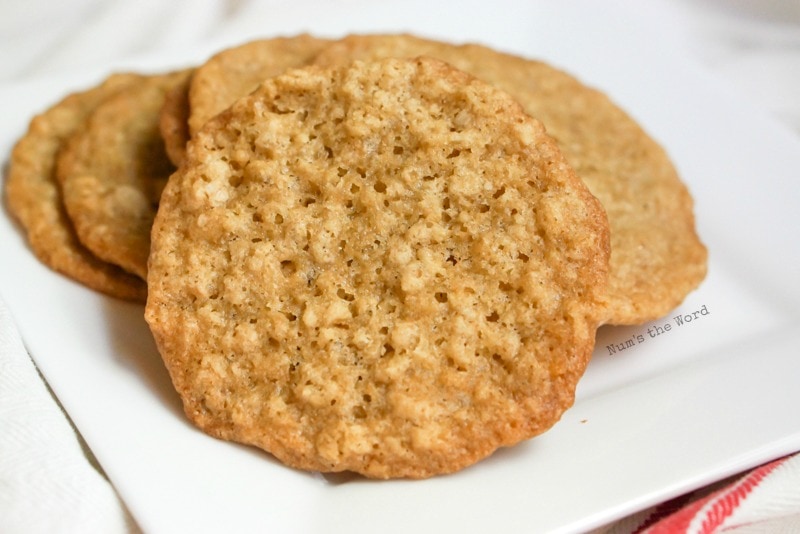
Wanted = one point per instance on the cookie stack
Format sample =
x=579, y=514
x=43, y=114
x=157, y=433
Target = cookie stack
x=381, y=254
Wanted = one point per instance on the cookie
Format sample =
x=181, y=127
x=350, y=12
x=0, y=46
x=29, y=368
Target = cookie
x=173, y=120
x=386, y=268
x=112, y=171
x=34, y=198
x=657, y=257
x=235, y=72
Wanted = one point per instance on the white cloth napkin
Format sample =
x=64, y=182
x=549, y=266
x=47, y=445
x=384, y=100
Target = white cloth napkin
x=47, y=482
x=763, y=500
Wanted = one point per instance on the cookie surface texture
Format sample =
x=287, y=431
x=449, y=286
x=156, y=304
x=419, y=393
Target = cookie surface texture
x=113, y=169
x=235, y=72
x=657, y=257
x=385, y=268
x=34, y=197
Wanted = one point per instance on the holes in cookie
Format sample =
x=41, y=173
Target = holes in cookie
x=265, y=152
x=460, y=228
x=288, y=268
x=290, y=316
x=344, y=295
x=367, y=397
x=499, y=193
x=440, y=296
x=483, y=208
x=328, y=152
x=380, y=187
x=493, y=317
x=257, y=217
x=308, y=201
x=359, y=412
x=388, y=349
x=523, y=257
x=502, y=363
x=454, y=153
x=451, y=259
x=273, y=108
x=452, y=363
x=397, y=150
x=278, y=218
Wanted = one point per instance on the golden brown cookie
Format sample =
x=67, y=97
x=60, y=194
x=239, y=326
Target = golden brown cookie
x=657, y=257
x=386, y=268
x=112, y=171
x=34, y=198
x=235, y=72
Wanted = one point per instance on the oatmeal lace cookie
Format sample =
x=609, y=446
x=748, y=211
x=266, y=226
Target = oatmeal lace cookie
x=34, y=197
x=386, y=268
x=112, y=171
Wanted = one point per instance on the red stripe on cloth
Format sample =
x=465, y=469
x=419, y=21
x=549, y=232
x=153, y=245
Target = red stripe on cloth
x=680, y=520
x=722, y=504
x=663, y=510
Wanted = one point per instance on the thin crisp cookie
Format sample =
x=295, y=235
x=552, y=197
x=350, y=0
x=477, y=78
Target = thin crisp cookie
x=112, y=171
x=386, y=268
x=34, y=198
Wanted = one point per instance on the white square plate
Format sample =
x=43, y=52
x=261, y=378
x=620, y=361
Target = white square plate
x=684, y=407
